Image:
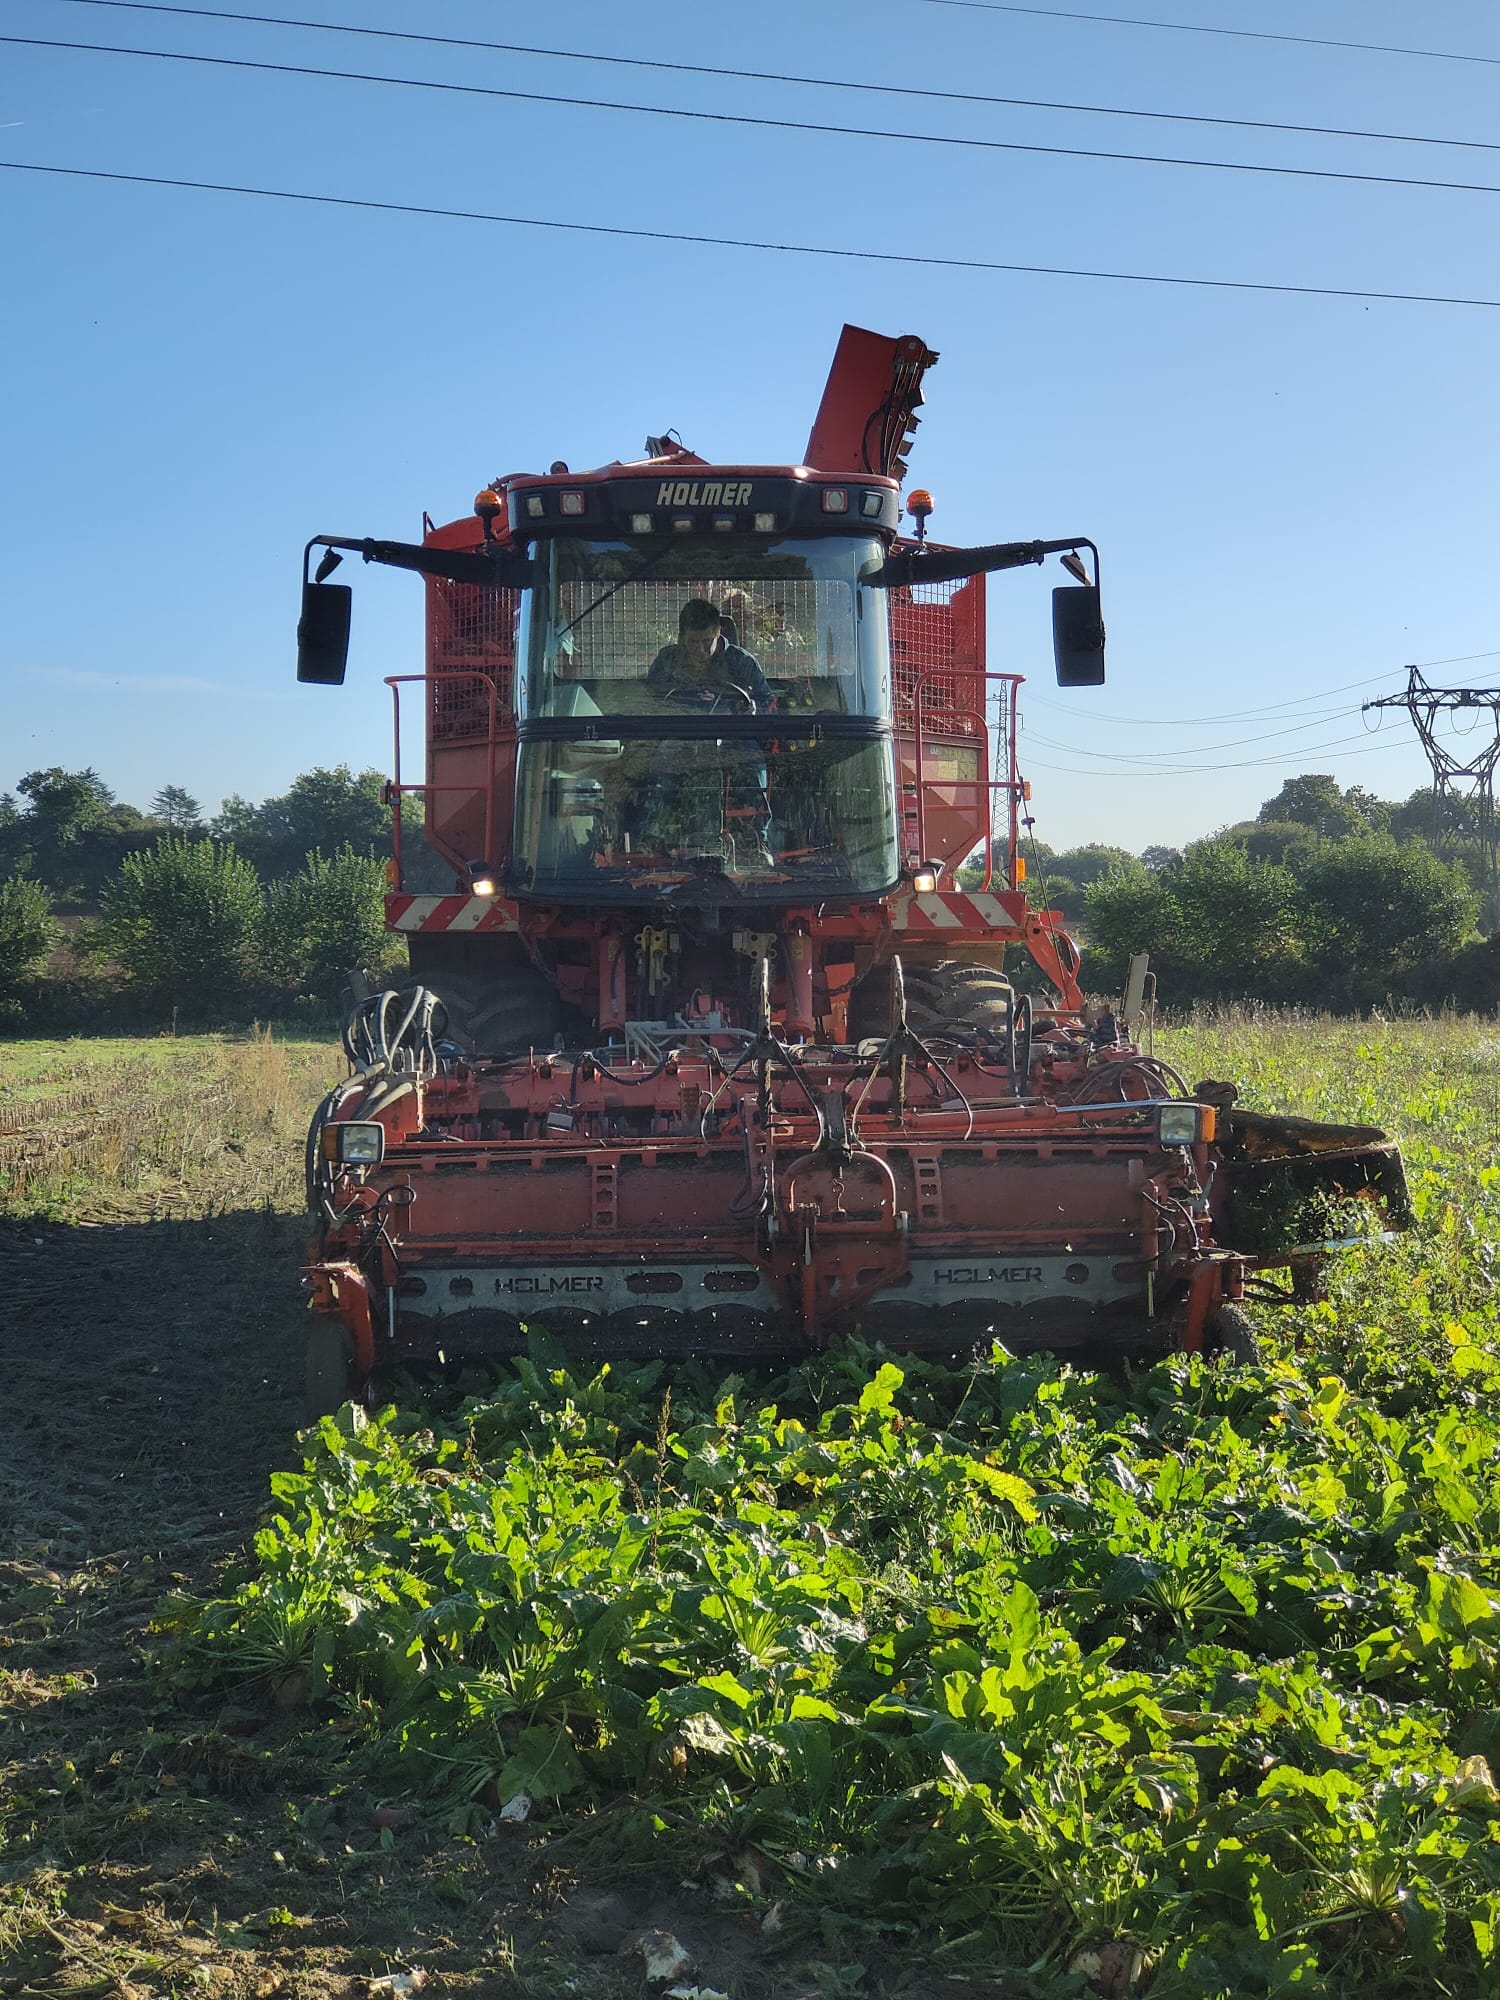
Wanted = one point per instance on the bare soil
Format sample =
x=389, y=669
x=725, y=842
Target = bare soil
x=155, y=1844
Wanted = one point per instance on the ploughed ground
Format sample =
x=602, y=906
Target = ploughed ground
x=157, y=1842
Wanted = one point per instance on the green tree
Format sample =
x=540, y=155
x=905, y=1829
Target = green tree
x=236, y=823
x=1048, y=890
x=323, y=809
x=1448, y=826
x=50, y=836
x=1288, y=841
x=1089, y=864
x=1420, y=817
x=1131, y=910
x=1374, y=812
x=27, y=932
x=1217, y=923
x=181, y=918
x=323, y=922
x=1062, y=883
x=1236, y=918
x=1316, y=800
x=1378, y=912
x=177, y=810
x=72, y=833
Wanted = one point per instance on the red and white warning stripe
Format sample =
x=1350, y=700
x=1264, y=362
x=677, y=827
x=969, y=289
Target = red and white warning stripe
x=449, y=913
x=954, y=910
x=973, y=914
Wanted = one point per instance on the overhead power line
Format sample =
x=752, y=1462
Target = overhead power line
x=903, y=257
x=760, y=124
x=1162, y=760
x=1262, y=710
x=1135, y=766
x=1199, y=28
x=784, y=76
x=1190, y=770
x=1115, y=755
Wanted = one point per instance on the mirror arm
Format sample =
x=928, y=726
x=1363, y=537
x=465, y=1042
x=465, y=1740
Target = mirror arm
x=914, y=566
x=496, y=568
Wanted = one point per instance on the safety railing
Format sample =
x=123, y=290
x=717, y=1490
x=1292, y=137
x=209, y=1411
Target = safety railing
x=397, y=787
x=939, y=725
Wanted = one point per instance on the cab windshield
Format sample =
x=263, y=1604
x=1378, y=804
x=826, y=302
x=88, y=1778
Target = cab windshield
x=601, y=614
x=705, y=721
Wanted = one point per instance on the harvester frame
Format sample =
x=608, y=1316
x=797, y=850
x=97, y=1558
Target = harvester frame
x=737, y=1072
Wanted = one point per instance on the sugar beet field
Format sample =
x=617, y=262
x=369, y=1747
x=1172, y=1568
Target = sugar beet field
x=874, y=1678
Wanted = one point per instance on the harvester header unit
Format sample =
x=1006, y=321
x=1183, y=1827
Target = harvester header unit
x=709, y=1051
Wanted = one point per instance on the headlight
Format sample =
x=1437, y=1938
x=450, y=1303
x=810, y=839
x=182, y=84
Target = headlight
x=359, y=1143
x=1179, y=1124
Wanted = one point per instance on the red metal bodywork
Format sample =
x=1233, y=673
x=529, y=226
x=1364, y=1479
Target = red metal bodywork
x=759, y=1178
x=957, y=794
x=660, y=1212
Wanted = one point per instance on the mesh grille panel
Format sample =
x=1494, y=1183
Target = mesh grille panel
x=935, y=646
x=778, y=623
x=469, y=626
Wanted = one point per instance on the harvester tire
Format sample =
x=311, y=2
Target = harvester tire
x=974, y=993
x=870, y=1004
x=1230, y=1336
x=518, y=1009
x=955, y=990
x=329, y=1362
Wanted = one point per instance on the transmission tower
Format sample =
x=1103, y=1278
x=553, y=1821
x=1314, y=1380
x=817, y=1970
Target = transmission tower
x=1463, y=793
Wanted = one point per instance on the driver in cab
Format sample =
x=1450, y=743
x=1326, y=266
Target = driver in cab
x=704, y=669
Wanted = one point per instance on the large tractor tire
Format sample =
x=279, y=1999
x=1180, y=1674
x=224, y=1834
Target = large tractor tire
x=979, y=995
x=957, y=990
x=515, y=1011
x=496, y=1001
x=1230, y=1336
x=870, y=1012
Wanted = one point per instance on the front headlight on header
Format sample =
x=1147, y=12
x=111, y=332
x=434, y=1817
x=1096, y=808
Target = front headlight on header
x=357, y=1143
x=1180, y=1124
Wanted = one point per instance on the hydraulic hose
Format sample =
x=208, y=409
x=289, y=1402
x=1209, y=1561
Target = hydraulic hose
x=370, y=1043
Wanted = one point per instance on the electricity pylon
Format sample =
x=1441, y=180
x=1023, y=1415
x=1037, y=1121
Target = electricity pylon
x=1463, y=793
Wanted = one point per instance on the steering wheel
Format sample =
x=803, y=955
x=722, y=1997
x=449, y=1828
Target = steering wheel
x=731, y=700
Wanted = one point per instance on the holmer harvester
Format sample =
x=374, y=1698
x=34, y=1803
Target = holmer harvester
x=709, y=1053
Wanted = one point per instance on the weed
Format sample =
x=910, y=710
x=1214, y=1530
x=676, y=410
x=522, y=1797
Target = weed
x=190, y=1126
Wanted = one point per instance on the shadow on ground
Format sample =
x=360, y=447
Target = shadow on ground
x=151, y=1845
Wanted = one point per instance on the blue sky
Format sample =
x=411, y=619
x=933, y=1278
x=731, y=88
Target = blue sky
x=1292, y=495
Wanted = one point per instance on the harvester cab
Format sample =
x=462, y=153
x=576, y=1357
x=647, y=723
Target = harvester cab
x=710, y=1049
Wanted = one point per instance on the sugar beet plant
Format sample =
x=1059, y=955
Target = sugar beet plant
x=1205, y=1668
x=1186, y=1685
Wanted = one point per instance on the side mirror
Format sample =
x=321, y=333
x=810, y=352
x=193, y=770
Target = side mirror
x=1078, y=635
x=323, y=633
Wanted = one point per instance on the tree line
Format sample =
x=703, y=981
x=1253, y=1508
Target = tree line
x=109, y=914
x=1328, y=897
x=67, y=831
